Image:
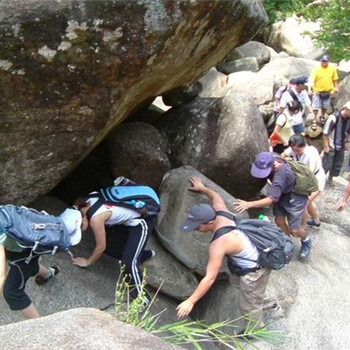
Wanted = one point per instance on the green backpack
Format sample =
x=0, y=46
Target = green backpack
x=306, y=181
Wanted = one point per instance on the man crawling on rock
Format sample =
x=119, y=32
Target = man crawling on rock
x=237, y=247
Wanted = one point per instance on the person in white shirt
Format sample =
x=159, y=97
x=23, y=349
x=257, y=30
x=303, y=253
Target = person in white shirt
x=298, y=93
x=97, y=215
x=278, y=95
x=299, y=150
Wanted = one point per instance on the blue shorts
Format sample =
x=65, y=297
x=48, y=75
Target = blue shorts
x=298, y=129
x=292, y=206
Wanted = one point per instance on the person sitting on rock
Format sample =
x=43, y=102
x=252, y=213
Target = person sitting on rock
x=288, y=207
x=252, y=286
x=300, y=151
x=324, y=83
x=13, y=285
x=284, y=127
x=132, y=252
x=298, y=93
x=336, y=134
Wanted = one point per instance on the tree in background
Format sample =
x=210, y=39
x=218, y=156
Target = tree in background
x=334, y=17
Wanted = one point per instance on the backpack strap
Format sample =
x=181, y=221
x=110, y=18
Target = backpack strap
x=227, y=215
x=93, y=209
x=221, y=231
x=293, y=95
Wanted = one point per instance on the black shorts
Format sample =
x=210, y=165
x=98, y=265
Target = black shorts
x=17, y=277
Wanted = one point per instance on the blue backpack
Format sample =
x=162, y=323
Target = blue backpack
x=38, y=231
x=142, y=199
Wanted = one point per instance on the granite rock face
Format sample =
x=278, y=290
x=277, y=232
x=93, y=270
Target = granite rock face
x=220, y=138
x=72, y=70
x=83, y=328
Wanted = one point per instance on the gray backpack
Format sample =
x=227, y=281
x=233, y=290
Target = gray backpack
x=274, y=246
x=38, y=231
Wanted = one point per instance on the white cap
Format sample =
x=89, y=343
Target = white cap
x=347, y=105
x=72, y=220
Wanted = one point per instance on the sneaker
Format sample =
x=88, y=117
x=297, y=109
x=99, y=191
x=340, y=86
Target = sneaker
x=275, y=311
x=42, y=280
x=305, y=249
x=147, y=255
x=313, y=224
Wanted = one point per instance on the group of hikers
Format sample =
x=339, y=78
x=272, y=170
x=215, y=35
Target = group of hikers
x=121, y=205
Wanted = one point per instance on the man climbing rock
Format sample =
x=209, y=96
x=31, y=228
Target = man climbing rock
x=288, y=207
x=235, y=245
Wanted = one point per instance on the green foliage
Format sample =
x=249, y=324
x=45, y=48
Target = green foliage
x=137, y=313
x=281, y=9
x=333, y=16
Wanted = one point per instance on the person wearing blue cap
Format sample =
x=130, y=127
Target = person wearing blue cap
x=288, y=207
x=324, y=82
x=237, y=247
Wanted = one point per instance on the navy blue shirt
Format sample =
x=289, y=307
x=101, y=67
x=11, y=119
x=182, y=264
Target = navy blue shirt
x=283, y=181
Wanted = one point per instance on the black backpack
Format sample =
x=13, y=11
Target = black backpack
x=142, y=199
x=274, y=246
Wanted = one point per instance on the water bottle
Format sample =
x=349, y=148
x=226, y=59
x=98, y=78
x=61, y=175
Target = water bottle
x=263, y=217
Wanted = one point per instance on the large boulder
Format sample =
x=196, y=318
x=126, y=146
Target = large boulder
x=344, y=92
x=220, y=138
x=182, y=94
x=72, y=70
x=255, y=49
x=294, y=37
x=219, y=304
x=214, y=84
x=190, y=248
x=243, y=64
x=262, y=87
x=139, y=152
x=84, y=328
x=164, y=271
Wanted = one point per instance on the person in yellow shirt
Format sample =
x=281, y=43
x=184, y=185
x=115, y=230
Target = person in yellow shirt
x=324, y=83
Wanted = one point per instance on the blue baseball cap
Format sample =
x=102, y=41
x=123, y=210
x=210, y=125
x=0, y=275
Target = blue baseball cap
x=301, y=80
x=199, y=214
x=325, y=58
x=262, y=166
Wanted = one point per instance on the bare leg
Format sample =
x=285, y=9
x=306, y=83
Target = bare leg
x=300, y=232
x=313, y=211
x=30, y=312
x=43, y=271
x=281, y=222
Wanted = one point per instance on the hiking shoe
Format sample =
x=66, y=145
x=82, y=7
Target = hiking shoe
x=42, y=280
x=305, y=249
x=147, y=255
x=313, y=224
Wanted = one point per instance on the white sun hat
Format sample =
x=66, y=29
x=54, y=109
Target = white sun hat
x=72, y=220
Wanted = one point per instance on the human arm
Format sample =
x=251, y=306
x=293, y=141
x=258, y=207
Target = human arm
x=2, y=268
x=97, y=223
x=198, y=186
x=241, y=206
x=216, y=256
x=345, y=198
x=325, y=143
